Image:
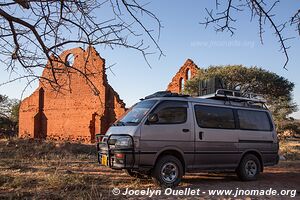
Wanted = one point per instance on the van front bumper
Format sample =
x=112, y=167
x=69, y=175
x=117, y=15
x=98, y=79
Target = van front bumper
x=115, y=158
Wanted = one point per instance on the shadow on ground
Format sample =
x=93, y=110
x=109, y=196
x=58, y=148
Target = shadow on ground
x=46, y=170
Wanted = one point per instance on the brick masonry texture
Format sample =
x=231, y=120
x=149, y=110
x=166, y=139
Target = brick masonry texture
x=73, y=112
x=186, y=72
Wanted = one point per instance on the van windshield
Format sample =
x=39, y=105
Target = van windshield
x=137, y=112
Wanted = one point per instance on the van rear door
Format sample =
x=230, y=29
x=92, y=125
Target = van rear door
x=257, y=133
x=216, y=139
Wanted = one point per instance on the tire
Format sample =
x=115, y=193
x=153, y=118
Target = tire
x=134, y=174
x=249, y=168
x=168, y=172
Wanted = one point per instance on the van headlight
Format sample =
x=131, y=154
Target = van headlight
x=123, y=142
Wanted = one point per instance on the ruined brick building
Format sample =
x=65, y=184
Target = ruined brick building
x=74, y=112
x=186, y=72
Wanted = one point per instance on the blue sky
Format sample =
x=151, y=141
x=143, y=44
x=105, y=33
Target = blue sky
x=183, y=37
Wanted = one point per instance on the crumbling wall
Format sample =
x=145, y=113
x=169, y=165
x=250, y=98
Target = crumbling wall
x=186, y=72
x=28, y=110
x=75, y=111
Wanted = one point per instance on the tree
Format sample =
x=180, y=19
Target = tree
x=262, y=11
x=9, y=113
x=33, y=32
x=14, y=114
x=276, y=89
x=4, y=106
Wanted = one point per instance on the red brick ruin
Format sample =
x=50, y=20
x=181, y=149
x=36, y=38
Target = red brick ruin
x=186, y=72
x=73, y=112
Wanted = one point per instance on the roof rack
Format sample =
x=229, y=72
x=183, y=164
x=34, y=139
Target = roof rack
x=165, y=94
x=237, y=96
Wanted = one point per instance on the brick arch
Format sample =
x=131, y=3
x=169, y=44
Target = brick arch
x=181, y=84
x=188, y=74
x=70, y=59
x=182, y=75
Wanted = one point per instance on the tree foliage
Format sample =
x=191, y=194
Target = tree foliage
x=276, y=89
x=9, y=113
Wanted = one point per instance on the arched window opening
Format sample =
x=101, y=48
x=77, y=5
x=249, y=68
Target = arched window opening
x=70, y=60
x=181, y=85
x=188, y=74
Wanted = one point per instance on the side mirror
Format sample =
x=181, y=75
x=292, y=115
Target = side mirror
x=153, y=118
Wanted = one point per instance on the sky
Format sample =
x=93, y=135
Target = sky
x=182, y=37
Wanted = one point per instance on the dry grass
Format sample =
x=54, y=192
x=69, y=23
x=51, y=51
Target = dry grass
x=45, y=170
x=290, y=149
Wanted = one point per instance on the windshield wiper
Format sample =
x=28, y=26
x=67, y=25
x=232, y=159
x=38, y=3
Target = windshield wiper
x=119, y=123
x=131, y=122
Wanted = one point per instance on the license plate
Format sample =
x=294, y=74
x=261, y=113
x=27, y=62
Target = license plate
x=104, y=160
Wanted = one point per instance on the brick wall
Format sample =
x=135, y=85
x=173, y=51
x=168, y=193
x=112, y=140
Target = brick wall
x=186, y=72
x=74, y=111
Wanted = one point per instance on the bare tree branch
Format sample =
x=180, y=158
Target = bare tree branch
x=261, y=12
x=258, y=8
x=296, y=20
x=31, y=31
x=224, y=15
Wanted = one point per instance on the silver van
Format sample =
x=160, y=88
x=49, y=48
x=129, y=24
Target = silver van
x=166, y=135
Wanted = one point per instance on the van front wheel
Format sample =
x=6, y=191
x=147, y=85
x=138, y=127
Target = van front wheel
x=249, y=168
x=168, y=171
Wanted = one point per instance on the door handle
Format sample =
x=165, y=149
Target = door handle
x=185, y=130
x=200, y=135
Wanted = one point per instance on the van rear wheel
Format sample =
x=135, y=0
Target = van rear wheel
x=249, y=168
x=168, y=172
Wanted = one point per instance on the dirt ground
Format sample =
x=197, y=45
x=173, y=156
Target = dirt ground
x=46, y=170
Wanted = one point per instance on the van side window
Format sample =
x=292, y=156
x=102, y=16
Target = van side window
x=171, y=112
x=214, y=117
x=254, y=120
